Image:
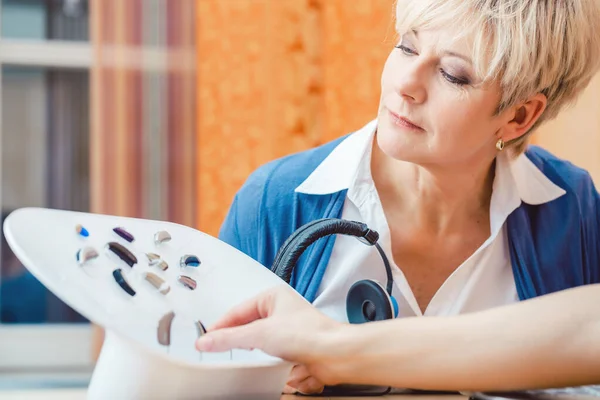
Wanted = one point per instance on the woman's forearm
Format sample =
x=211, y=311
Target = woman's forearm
x=551, y=341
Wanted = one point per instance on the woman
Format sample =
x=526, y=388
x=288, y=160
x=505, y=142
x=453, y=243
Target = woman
x=469, y=215
x=548, y=342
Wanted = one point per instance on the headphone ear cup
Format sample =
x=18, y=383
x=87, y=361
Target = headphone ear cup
x=394, y=306
x=368, y=301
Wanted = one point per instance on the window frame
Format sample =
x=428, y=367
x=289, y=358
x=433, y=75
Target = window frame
x=16, y=340
x=35, y=348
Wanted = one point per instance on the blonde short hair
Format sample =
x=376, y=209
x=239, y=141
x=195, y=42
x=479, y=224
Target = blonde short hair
x=530, y=46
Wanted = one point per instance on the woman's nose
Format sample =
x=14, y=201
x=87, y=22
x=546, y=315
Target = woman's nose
x=411, y=83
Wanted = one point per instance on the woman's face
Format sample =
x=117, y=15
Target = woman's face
x=433, y=110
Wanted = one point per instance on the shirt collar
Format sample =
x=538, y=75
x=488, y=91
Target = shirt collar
x=338, y=170
x=517, y=179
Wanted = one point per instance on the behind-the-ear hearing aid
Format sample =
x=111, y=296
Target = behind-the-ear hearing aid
x=367, y=300
x=163, y=332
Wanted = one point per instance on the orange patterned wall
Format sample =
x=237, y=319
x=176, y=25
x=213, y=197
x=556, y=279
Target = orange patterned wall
x=280, y=76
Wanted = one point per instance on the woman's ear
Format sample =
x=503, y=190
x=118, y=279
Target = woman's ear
x=523, y=116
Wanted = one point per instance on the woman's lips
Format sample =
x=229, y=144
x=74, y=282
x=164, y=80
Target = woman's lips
x=404, y=122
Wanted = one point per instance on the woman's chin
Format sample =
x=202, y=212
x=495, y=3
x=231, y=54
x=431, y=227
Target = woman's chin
x=400, y=147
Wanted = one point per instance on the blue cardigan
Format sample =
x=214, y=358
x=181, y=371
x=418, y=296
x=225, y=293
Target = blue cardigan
x=553, y=246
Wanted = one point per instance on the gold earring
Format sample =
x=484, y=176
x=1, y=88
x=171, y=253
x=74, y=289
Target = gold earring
x=500, y=144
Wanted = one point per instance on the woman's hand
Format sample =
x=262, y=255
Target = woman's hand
x=282, y=324
x=557, y=335
x=301, y=381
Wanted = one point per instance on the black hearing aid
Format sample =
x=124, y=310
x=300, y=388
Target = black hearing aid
x=366, y=300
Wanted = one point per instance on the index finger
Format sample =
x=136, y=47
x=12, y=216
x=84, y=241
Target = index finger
x=255, y=308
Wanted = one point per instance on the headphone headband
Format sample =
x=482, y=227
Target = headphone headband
x=299, y=241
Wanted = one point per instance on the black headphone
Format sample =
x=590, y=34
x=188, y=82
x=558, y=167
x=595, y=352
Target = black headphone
x=367, y=300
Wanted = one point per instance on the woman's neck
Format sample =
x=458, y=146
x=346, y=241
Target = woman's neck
x=437, y=200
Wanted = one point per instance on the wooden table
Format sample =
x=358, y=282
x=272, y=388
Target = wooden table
x=80, y=394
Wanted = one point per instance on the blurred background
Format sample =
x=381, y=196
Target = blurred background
x=161, y=108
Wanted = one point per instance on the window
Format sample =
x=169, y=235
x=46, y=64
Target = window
x=44, y=164
x=45, y=19
x=46, y=124
x=44, y=84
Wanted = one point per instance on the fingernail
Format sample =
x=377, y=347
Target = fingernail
x=289, y=390
x=205, y=343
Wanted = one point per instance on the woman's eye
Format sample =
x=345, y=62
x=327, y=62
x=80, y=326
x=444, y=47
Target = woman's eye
x=450, y=78
x=454, y=80
x=406, y=50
